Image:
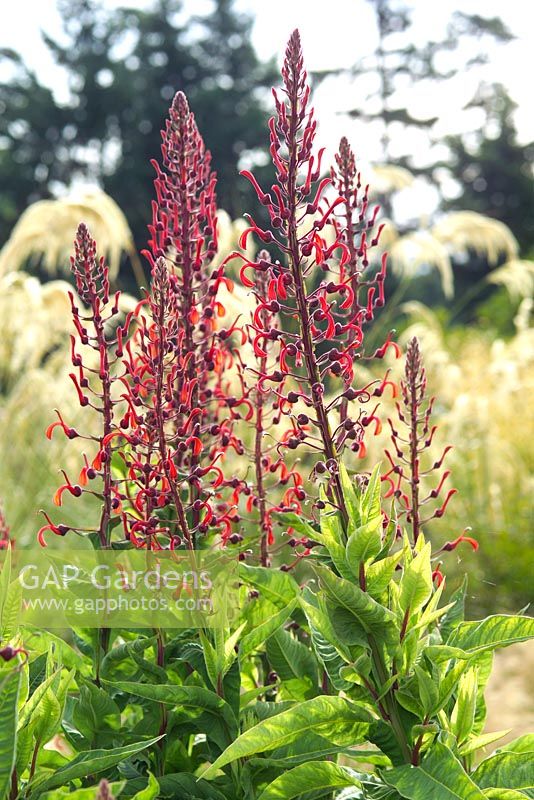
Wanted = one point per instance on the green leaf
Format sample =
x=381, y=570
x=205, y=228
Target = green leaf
x=440, y=776
x=9, y=694
x=150, y=792
x=428, y=691
x=370, y=503
x=416, y=581
x=506, y=770
x=523, y=744
x=381, y=734
x=364, y=544
x=504, y=794
x=380, y=574
x=259, y=635
x=213, y=665
x=351, y=496
x=187, y=696
x=122, y=652
x=278, y=587
x=491, y=633
x=336, y=719
x=475, y=743
x=314, y=775
x=95, y=714
x=290, y=658
x=51, y=707
x=89, y=763
x=11, y=611
x=5, y=580
x=372, y=616
x=463, y=713
x=31, y=706
x=299, y=524
x=448, y=684
x=321, y=626
x=333, y=538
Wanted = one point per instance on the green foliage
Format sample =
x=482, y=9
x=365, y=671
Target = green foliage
x=211, y=722
x=9, y=694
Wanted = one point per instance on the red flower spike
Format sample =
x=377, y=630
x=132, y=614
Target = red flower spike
x=289, y=286
x=92, y=284
x=414, y=417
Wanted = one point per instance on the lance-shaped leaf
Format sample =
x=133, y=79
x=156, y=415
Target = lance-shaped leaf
x=313, y=776
x=373, y=617
x=370, y=503
x=89, y=763
x=523, y=744
x=416, y=582
x=290, y=658
x=463, y=713
x=440, y=775
x=364, y=543
x=300, y=525
x=187, y=696
x=278, y=587
x=350, y=496
x=507, y=770
x=321, y=625
x=336, y=719
x=9, y=693
x=491, y=633
x=260, y=633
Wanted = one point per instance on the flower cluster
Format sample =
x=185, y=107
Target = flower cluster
x=94, y=379
x=315, y=287
x=273, y=477
x=167, y=426
x=407, y=472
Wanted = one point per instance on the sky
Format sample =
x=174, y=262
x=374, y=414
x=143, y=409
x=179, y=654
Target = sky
x=335, y=34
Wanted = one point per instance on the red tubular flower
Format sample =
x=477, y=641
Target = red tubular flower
x=448, y=546
x=407, y=474
x=327, y=308
x=184, y=231
x=59, y=530
x=94, y=388
x=70, y=433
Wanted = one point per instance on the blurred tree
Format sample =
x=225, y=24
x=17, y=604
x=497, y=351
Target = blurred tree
x=123, y=68
x=401, y=70
x=31, y=126
x=397, y=57
x=493, y=171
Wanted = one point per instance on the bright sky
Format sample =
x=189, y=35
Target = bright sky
x=336, y=34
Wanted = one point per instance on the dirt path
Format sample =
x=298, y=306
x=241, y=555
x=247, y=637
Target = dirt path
x=510, y=691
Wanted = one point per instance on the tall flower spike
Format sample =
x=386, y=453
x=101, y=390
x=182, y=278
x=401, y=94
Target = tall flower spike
x=184, y=231
x=276, y=486
x=101, y=344
x=153, y=443
x=316, y=350
x=355, y=224
x=407, y=473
